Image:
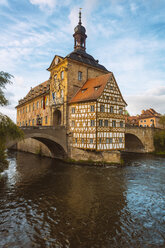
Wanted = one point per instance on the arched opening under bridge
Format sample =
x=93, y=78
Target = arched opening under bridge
x=133, y=144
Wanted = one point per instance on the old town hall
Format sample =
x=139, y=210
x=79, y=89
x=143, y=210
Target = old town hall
x=80, y=95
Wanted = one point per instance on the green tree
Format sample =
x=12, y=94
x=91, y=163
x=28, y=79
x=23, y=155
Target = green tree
x=8, y=129
x=162, y=121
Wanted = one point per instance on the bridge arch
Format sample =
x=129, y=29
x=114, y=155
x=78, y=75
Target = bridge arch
x=53, y=139
x=133, y=143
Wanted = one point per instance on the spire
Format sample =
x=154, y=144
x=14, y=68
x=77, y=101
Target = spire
x=80, y=17
x=80, y=35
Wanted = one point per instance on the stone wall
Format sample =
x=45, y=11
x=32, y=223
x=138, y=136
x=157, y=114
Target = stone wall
x=33, y=146
x=109, y=157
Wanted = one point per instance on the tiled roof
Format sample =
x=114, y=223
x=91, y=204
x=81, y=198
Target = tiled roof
x=36, y=91
x=149, y=113
x=82, y=56
x=92, y=89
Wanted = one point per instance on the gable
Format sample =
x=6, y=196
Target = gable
x=112, y=92
x=56, y=60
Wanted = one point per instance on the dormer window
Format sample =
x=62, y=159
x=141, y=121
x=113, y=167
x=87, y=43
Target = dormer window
x=80, y=75
x=97, y=87
x=83, y=90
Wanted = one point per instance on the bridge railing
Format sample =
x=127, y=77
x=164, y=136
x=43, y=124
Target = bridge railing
x=41, y=127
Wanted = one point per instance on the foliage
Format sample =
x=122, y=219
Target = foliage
x=159, y=141
x=162, y=121
x=127, y=113
x=8, y=130
x=4, y=79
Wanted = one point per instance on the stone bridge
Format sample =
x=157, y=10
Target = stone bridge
x=55, y=138
x=139, y=139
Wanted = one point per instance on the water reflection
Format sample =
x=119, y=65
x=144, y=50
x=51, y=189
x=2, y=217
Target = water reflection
x=45, y=203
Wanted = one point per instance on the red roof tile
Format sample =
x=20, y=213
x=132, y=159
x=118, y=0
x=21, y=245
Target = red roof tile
x=92, y=89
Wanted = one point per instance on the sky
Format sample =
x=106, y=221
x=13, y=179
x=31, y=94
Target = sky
x=126, y=36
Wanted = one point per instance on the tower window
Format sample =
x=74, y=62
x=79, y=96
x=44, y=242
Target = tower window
x=82, y=141
x=120, y=140
x=91, y=141
x=80, y=75
x=73, y=123
x=99, y=140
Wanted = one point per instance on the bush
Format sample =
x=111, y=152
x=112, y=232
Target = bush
x=159, y=141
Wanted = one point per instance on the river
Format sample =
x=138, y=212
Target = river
x=47, y=203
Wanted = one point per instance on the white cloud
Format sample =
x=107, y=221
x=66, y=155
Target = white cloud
x=4, y=2
x=44, y=3
x=153, y=98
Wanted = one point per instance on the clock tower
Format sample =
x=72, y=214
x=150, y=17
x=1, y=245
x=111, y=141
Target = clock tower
x=80, y=35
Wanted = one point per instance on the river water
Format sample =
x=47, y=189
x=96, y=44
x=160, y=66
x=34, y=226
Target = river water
x=46, y=203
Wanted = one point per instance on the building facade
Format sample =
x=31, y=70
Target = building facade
x=81, y=95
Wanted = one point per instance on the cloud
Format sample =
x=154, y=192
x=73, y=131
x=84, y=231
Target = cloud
x=4, y=2
x=44, y=3
x=153, y=98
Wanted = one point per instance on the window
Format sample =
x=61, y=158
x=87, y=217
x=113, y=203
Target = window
x=113, y=123
x=152, y=120
x=29, y=108
x=111, y=109
x=37, y=104
x=82, y=141
x=107, y=140
x=100, y=123
x=62, y=93
x=91, y=141
x=101, y=108
x=141, y=121
x=73, y=110
x=23, y=110
x=73, y=123
x=29, y=122
x=121, y=123
x=55, y=77
x=120, y=140
x=92, y=108
x=46, y=120
x=79, y=75
x=62, y=75
x=42, y=102
x=33, y=122
x=41, y=120
x=99, y=140
x=106, y=123
x=76, y=140
x=120, y=111
x=92, y=123
x=110, y=140
x=144, y=120
x=26, y=123
x=97, y=87
x=83, y=90
x=33, y=106
x=115, y=99
x=111, y=87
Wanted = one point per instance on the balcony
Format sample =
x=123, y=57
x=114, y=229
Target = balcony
x=57, y=101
